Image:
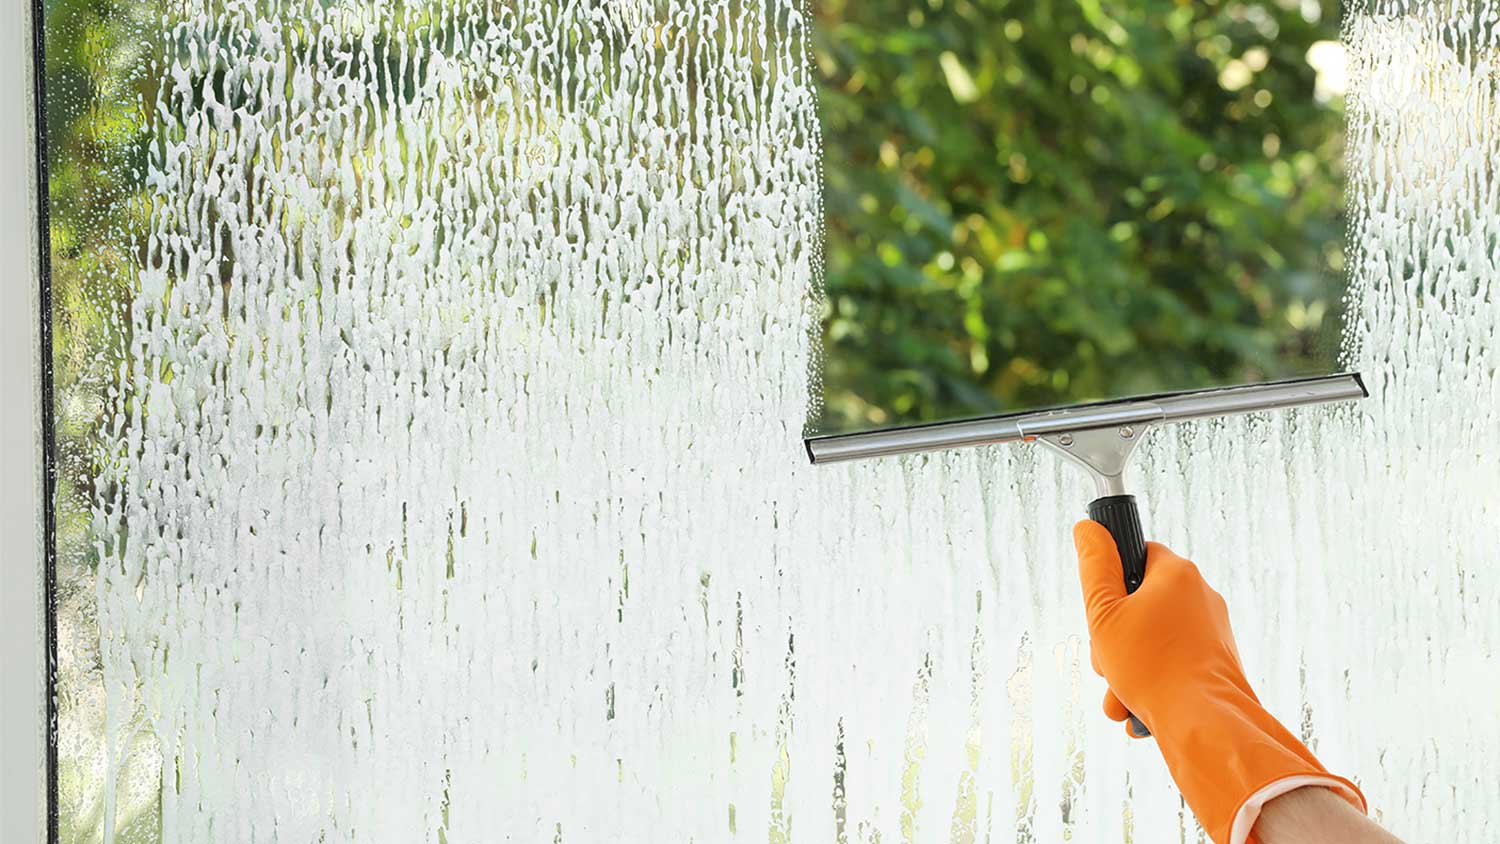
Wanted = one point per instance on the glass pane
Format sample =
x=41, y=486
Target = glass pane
x=431, y=380
x=1043, y=203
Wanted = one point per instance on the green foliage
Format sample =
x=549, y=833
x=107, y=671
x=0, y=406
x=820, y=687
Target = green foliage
x=95, y=172
x=1034, y=202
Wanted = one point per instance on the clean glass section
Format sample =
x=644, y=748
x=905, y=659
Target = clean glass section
x=1042, y=203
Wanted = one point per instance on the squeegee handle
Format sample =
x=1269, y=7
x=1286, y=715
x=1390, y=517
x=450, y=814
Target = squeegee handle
x=1119, y=515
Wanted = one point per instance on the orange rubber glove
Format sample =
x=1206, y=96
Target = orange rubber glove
x=1170, y=659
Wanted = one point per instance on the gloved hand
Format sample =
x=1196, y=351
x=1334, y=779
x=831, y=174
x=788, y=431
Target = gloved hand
x=1170, y=659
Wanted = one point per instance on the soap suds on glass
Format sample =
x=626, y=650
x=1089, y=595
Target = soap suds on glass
x=454, y=491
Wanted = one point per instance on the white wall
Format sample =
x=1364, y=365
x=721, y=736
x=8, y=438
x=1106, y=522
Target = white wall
x=22, y=735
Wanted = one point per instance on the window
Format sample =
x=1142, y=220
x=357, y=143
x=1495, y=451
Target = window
x=426, y=391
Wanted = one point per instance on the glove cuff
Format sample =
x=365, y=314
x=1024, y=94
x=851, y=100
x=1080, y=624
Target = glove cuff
x=1230, y=757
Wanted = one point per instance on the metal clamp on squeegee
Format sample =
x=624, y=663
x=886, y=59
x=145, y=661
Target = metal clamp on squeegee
x=1098, y=439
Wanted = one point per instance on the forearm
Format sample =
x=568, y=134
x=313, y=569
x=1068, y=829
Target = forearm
x=1316, y=816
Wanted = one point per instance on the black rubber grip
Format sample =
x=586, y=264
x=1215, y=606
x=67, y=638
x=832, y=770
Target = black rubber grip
x=1118, y=513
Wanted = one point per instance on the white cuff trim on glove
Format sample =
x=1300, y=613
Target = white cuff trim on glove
x=1239, y=831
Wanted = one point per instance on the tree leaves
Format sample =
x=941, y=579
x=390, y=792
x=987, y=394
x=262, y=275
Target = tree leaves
x=1033, y=202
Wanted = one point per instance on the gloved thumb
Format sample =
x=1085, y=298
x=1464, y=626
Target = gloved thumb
x=1117, y=711
x=1099, y=570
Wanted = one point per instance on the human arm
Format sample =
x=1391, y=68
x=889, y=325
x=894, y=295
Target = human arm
x=1313, y=815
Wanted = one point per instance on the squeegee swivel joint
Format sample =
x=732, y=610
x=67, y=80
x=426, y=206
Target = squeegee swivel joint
x=1101, y=442
x=1104, y=452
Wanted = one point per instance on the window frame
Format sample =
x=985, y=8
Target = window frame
x=28, y=737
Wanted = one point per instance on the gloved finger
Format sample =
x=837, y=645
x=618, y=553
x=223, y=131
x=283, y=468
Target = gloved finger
x=1221, y=610
x=1130, y=731
x=1094, y=658
x=1164, y=559
x=1114, y=710
x=1099, y=570
x=1156, y=550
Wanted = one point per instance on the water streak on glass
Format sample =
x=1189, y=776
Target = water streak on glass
x=431, y=382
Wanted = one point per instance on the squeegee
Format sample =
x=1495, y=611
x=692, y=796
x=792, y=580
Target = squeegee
x=1098, y=436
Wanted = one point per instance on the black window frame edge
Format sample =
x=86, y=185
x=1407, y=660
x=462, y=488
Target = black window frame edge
x=30, y=16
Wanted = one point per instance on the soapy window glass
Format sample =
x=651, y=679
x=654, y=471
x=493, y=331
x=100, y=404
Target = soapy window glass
x=429, y=379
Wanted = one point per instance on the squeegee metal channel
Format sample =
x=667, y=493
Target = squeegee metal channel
x=1141, y=410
